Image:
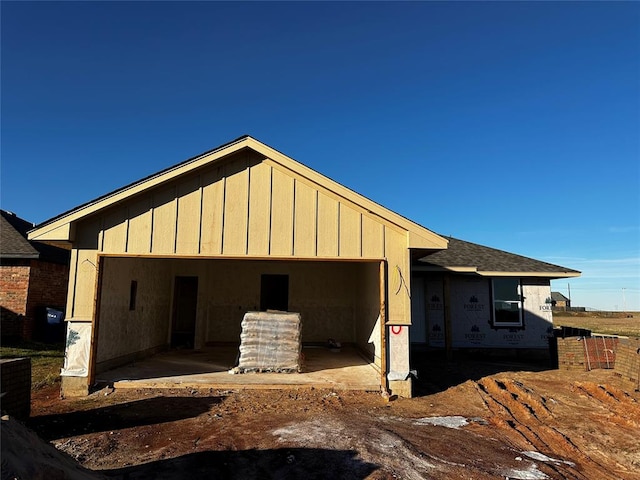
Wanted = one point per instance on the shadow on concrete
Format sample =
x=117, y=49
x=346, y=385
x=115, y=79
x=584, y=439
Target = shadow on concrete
x=436, y=374
x=126, y=415
x=285, y=463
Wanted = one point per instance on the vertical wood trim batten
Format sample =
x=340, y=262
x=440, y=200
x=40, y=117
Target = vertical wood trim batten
x=315, y=251
x=126, y=232
x=200, y=188
x=153, y=211
x=361, y=235
x=101, y=234
x=384, y=241
x=224, y=209
x=293, y=219
x=176, y=201
x=248, y=223
x=270, y=210
x=338, y=229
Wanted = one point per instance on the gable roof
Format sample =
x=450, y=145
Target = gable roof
x=61, y=228
x=558, y=297
x=467, y=257
x=14, y=243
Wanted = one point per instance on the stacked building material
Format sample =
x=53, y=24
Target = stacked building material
x=270, y=341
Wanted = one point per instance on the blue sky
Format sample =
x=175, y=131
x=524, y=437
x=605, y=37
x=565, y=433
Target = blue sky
x=510, y=124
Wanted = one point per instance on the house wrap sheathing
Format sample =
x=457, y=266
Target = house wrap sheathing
x=178, y=258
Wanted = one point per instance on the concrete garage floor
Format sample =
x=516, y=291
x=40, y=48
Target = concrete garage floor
x=209, y=368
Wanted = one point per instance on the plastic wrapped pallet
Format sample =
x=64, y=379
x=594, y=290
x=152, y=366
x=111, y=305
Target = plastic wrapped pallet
x=270, y=342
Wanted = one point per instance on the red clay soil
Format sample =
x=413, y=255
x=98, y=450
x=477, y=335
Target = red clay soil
x=512, y=424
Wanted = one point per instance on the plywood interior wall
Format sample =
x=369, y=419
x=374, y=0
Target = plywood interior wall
x=122, y=331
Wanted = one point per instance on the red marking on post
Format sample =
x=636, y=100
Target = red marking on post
x=396, y=330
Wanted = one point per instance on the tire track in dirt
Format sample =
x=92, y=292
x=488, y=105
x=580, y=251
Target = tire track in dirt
x=613, y=410
x=625, y=409
x=525, y=418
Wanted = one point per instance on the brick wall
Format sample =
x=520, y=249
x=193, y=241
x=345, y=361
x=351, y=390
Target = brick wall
x=589, y=353
x=628, y=359
x=26, y=290
x=14, y=287
x=48, y=283
x=15, y=384
x=571, y=354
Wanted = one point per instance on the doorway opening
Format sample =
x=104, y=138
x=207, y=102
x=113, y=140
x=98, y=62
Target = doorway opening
x=274, y=292
x=185, y=302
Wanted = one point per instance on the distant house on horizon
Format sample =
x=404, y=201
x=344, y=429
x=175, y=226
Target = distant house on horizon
x=33, y=277
x=560, y=302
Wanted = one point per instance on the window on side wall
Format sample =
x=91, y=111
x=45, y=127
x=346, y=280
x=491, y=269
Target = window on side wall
x=133, y=293
x=507, y=302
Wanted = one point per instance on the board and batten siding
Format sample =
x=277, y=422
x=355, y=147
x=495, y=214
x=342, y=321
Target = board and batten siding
x=256, y=210
x=246, y=206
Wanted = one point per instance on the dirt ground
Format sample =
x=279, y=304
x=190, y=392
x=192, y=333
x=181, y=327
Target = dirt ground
x=471, y=419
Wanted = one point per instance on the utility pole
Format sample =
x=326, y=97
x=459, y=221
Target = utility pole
x=624, y=303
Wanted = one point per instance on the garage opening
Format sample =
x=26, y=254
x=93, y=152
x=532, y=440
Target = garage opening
x=188, y=315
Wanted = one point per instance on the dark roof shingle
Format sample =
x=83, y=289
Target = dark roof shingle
x=462, y=254
x=558, y=297
x=14, y=243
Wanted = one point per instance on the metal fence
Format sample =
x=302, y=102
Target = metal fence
x=600, y=351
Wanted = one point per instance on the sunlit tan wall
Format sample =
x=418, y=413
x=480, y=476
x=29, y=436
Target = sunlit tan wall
x=247, y=206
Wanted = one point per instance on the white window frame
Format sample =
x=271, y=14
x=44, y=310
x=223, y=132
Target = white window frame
x=511, y=301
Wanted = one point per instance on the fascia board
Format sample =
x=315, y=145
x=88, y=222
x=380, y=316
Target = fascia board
x=429, y=268
x=530, y=274
x=62, y=231
x=418, y=241
x=483, y=273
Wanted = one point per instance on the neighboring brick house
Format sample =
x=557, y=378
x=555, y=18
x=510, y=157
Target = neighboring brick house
x=33, y=277
x=560, y=302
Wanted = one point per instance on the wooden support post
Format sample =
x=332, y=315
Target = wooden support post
x=97, y=296
x=383, y=328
